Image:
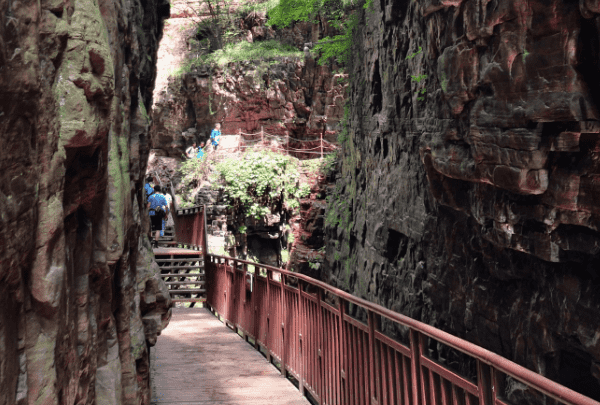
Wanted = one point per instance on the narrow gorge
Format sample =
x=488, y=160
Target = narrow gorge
x=448, y=170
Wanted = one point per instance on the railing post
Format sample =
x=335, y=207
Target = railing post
x=322, y=143
x=284, y=327
x=373, y=359
x=301, y=329
x=484, y=382
x=321, y=376
x=415, y=366
x=267, y=337
x=344, y=355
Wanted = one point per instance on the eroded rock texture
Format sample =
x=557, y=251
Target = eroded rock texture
x=468, y=191
x=79, y=301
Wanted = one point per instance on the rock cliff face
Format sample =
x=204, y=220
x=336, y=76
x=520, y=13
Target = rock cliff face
x=292, y=97
x=467, y=193
x=79, y=299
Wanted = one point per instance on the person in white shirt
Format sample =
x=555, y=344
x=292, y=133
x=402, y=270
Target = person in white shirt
x=191, y=151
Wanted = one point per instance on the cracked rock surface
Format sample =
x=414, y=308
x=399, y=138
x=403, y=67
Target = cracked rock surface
x=468, y=189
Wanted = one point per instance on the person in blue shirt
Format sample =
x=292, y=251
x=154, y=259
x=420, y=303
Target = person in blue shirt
x=200, y=154
x=157, y=205
x=148, y=188
x=215, y=134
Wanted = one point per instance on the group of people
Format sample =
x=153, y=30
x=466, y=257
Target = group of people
x=159, y=209
x=195, y=152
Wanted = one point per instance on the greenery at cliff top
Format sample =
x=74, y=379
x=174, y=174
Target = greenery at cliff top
x=340, y=15
x=285, y=12
x=246, y=51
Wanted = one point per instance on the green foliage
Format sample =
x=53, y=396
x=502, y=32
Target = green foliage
x=143, y=110
x=329, y=163
x=246, y=51
x=257, y=181
x=250, y=6
x=338, y=47
x=418, y=78
x=243, y=229
x=412, y=55
x=289, y=11
x=193, y=172
x=241, y=51
x=304, y=190
x=285, y=256
x=337, y=12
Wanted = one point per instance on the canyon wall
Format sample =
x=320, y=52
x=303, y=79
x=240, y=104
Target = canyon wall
x=80, y=301
x=466, y=192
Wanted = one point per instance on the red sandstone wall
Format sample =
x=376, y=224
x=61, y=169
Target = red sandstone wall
x=80, y=302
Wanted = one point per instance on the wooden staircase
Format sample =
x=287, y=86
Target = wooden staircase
x=181, y=269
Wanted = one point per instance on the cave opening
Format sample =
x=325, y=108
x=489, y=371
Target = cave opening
x=396, y=246
x=190, y=113
x=377, y=95
x=589, y=63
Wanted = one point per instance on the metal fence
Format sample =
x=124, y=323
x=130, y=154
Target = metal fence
x=304, y=326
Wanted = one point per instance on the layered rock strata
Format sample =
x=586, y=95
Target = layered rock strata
x=79, y=299
x=468, y=182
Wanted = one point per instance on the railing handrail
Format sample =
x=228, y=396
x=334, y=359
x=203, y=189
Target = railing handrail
x=521, y=373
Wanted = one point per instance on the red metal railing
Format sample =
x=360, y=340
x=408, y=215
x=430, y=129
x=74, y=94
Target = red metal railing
x=190, y=224
x=304, y=325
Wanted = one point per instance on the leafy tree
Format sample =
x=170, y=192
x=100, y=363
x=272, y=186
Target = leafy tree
x=258, y=183
x=289, y=11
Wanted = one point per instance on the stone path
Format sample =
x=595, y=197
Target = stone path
x=199, y=361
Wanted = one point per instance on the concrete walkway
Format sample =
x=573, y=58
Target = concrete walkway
x=200, y=361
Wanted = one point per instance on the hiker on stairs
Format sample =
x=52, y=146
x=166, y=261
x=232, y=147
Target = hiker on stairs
x=157, y=205
x=214, y=136
x=168, y=219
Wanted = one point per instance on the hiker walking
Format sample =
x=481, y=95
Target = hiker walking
x=214, y=135
x=148, y=190
x=168, y=219
x=157, y=205
x=191, y=151
x=200, y=154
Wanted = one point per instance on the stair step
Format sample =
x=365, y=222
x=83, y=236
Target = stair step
x=188, y=291
x=185, y=275
x=181, y=267
x=186, y=259
x=185, y=282
x=198, y=299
